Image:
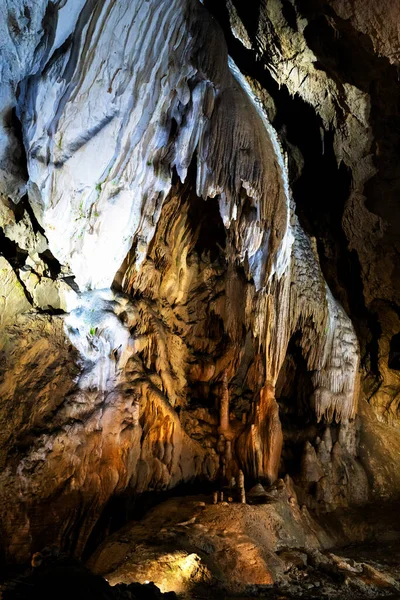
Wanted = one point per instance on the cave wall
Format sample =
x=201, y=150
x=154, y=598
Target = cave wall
x=330, y=71
x=156, y=266
x=341, y=59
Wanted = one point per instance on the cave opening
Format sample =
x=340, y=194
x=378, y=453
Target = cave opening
x=293, y=391
x=131, y=506
x=205, y=218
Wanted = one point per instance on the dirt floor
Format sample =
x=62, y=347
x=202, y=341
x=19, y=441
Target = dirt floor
x=278, y=549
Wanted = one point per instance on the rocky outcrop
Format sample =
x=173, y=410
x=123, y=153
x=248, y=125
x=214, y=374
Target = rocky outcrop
x=193, y=547
x=167, y=319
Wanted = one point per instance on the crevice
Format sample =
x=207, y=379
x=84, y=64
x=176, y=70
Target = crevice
x=52, y=263
x=17, y=129
x=15, y=255
x=370, y=355
x=293, y=391
x=289, y=12
x=11, y=250
x=394, y=353
x=24, y=205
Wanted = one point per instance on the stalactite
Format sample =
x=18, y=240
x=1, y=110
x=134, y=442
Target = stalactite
x=300, y=294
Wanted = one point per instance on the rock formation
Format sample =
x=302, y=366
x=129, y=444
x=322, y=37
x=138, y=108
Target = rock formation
x=180, y=305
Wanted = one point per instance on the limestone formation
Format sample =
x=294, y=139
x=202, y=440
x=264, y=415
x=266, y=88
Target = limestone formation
x=176, y=307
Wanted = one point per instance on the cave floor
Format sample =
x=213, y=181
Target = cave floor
x=275, y=550
x=199, y=550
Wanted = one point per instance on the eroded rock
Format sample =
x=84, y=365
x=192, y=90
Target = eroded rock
x=153, y=168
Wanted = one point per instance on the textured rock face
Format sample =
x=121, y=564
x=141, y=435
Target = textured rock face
x=305, y=47
x=136, y=156
x=192, y=547
x=206, y=548
x=379, y=21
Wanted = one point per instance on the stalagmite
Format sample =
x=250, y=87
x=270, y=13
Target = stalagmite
x=311, y=470
x=221, y=444
x=224, y=405
x=242, y=491
x=223, y=467
x=261, y=442
x=228, y=452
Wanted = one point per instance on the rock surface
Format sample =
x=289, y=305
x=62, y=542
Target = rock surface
x=195, y=548
x=305, y=47
x=181, y=305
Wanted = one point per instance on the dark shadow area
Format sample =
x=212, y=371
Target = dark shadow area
x=348, y=56
x=394, y=353
x=23, y=205
x=131, y=506
x=289, y=13
x=57, y=576
x=205, y=218
x=293, y=391
x=12, y=121
x=15, y=255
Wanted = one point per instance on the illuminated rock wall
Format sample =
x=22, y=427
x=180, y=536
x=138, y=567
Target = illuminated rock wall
x=147, y=163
